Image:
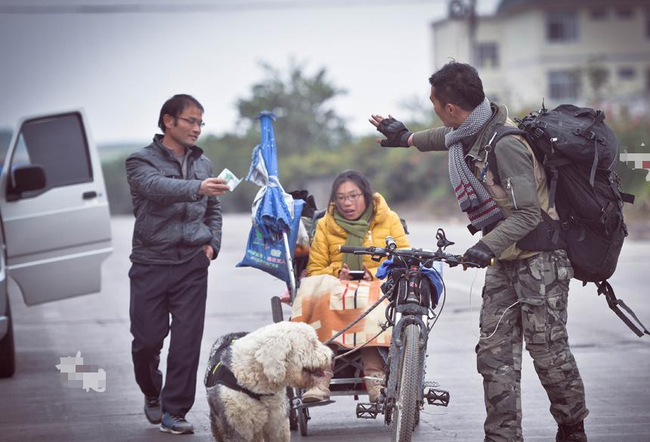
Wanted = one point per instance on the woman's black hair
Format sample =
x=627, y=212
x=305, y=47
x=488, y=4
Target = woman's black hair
x=358, y=179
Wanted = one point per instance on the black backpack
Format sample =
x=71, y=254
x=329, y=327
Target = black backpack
x=579, y=153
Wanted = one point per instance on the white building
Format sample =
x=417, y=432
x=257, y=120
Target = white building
x=578, y=51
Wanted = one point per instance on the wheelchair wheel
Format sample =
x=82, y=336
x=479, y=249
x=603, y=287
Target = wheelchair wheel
x=303, y=417
x=404, y=413
x=293, y=413
x=276, y=309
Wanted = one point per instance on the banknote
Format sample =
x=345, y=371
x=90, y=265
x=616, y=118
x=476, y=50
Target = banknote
x=230, y=178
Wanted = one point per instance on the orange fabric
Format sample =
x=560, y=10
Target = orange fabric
x=329, y=305
x=324, y=256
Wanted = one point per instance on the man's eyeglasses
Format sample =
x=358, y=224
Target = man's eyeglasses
x=193, y=121
x=352, y=197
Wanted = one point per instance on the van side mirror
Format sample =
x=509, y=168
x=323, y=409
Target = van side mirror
x=25, y=179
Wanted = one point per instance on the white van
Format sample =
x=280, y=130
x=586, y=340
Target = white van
x=54, y=218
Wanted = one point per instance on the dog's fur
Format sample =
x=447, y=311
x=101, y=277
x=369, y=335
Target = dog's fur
x=265, y=361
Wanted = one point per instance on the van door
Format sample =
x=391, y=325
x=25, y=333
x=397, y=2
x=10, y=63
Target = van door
x=54, y=209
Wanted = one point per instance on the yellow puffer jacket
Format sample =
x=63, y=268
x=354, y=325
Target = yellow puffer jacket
x=324, y=256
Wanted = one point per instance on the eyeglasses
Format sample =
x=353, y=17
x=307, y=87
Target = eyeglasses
x=193, y=121
x=352, y=197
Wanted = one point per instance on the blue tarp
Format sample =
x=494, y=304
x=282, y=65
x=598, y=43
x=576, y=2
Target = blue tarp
x=274, y=212
x=434, y=274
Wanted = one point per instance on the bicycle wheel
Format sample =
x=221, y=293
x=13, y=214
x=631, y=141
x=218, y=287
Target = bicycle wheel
x=405, y=409
x=293, y=413
x=303, y=417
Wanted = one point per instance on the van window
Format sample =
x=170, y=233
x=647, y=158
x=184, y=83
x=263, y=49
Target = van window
x=57, y=144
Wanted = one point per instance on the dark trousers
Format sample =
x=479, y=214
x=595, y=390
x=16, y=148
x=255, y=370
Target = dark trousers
x=158, y=291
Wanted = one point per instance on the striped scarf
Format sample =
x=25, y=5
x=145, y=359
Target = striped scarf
x=472, y=196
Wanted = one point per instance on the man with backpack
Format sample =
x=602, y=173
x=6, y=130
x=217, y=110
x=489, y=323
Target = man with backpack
x=526, y=289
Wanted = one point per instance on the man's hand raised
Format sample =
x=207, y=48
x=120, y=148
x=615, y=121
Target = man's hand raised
x=213, y=187
x=397, y=135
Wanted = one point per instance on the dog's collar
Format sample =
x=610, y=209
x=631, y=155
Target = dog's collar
x=222, y=375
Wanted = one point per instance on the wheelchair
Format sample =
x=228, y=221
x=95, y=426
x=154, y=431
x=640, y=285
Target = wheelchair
x=348, y=379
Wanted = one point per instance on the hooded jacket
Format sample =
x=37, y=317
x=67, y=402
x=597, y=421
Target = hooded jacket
x=324, y=255
x=522, y=192
x=172, y=221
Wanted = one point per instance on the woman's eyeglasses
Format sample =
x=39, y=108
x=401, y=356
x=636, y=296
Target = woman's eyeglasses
x=352, y=197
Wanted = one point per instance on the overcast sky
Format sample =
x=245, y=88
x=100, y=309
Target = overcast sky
x=121, y=67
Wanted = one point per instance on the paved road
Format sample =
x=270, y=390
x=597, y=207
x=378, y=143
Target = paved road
x=36, y=405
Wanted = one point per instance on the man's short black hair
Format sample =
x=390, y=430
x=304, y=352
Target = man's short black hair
x=175, y=106
x=459, y=84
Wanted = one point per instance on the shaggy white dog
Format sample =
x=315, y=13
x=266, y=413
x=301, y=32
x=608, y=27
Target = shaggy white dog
x=248, y=374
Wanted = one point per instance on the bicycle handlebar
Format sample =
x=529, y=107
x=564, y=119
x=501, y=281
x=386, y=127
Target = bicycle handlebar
x=419, y=254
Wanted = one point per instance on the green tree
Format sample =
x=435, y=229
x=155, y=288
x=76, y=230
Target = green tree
x=306, y=120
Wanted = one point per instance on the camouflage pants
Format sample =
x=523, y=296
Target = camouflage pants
x=539, y=286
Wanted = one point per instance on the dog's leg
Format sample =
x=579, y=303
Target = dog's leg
x=276, y=428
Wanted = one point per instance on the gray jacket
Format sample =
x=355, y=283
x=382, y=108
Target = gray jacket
x=172, y=221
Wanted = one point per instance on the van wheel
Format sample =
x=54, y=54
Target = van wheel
x=7, y=350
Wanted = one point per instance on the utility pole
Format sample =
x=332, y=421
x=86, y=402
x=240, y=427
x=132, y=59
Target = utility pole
x=466, y=10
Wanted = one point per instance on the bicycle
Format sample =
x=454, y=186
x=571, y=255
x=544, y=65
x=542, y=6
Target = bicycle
x=410, y=299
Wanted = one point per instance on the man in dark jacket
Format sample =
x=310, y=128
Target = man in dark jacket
x=177, y=233
x=526, y=290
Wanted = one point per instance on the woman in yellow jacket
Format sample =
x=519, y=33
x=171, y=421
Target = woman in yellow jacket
x=355, y=217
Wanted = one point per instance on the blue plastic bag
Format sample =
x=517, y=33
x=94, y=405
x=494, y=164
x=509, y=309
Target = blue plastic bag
x=269, y=255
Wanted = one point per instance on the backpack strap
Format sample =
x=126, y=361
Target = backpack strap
x=598, y=117
x=627, y=197
x=604, y=288
x=491, y=158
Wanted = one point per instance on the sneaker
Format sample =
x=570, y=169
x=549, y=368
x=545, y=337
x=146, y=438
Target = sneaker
x=571, y=433
x=321, y=389
x=175, y=424
x=152, y=409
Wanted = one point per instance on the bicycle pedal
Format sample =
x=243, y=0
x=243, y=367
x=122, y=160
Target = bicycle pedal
x=430, y=384
x=368, y=410
x=437, y=397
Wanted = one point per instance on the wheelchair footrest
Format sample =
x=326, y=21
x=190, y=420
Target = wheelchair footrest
x=369, y=410
x=437, y=397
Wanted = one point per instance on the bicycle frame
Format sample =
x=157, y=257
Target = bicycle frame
x=408, y=305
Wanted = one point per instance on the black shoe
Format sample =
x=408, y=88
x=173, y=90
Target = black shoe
x=175, y=424
x=152, y=409
x=571, y=433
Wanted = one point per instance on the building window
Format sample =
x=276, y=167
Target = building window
x=625, y=12
x=561, y=26
x=598, y=13
x=564, y=85
x=626, y=73
x=487, y=55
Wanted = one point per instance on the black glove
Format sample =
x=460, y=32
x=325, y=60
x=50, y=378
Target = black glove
x=479, y=254
x=397, y=135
